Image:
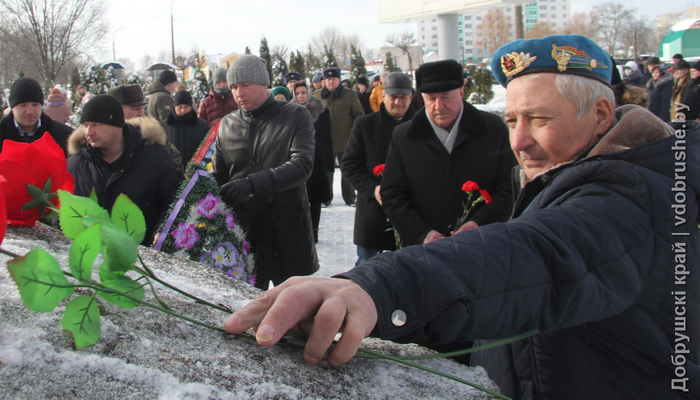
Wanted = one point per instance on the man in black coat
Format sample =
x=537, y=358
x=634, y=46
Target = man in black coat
x=184, y=130
x=366, y=149
x=445, y=145
x=114, y=158
x=690, y=98
x=27, y=123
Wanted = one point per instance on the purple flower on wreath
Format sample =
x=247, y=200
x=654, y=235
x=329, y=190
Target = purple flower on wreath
x=185, y=236
x=237, y=272
x=208, y=206
x=230, y=221
x=222, y=257
x=246, y=248
x=251, y=280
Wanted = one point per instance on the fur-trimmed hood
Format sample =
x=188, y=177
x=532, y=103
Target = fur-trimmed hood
x=142, y=127
x=315, y=107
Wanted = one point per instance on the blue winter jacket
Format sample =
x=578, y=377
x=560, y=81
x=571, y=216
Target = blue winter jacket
x=601, y=257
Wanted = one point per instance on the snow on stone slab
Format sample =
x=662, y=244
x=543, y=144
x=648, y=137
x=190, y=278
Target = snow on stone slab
x=145, y=354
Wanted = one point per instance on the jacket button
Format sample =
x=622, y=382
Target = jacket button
x=398, y=318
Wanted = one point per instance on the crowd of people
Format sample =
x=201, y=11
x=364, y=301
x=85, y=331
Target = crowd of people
x=571, y=234
x=653, y=85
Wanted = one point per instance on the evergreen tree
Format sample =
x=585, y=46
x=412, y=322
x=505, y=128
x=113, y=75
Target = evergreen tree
x=389, y=65
x=481, y=90
x=265, y=55
x=134, y=79
x=311, y=62
x=247, y=50
x=94, y=79
x=329, y=57
x=200, y=86
x=111, y=80
x=357, y=64
x=296, y=63
x=279, y=69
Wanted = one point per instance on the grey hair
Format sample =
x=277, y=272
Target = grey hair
x=582, y=92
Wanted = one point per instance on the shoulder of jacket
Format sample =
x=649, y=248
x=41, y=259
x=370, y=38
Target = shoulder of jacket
x=151, y=129
x=76, y=140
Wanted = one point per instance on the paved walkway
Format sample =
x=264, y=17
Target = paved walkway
x=336, y=252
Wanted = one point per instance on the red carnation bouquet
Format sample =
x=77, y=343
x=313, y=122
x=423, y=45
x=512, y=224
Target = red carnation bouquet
x=471, y=188
x=379, y=169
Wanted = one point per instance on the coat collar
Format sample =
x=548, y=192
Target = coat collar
x=387, y=119
x=472, y=123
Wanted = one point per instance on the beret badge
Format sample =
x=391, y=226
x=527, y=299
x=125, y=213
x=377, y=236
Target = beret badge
x=514, y=63
x=571, y=57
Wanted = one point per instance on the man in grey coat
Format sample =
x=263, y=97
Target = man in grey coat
x=264, y=155
x=160, y=104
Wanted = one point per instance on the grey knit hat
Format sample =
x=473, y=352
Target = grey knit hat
x=248, y=69
x=219, y=74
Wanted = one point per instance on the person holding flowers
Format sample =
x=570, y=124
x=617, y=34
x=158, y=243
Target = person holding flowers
x=446, y=144
x=365, y=152
x=600, y=256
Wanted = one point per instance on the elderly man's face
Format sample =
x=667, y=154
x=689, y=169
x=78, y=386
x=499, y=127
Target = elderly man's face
x=680, y=73
x=132, y=112
x=544, y=129
x=397, y=104
x=332, y=83
x=694, y=73
x=249, y=96
x=443, y=107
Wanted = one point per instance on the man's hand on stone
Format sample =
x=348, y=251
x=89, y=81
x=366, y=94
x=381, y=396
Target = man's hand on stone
x=321, y=307
x=235, y=191
x=433, y=236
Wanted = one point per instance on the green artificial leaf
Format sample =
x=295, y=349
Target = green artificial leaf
x=128, y=216
x=93, y=196
x=107, y=275
x=74, y=209
x=82, y=319
x=40, y=280
x=118, y=248
x=83, y=252
x=125, y=285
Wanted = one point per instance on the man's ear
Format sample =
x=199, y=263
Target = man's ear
x=604, y=112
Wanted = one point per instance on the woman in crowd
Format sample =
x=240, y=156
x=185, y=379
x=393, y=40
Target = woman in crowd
x=220, y=100
x=281, y=93
x=57, y=106
x=660, y=88
x=318, y=187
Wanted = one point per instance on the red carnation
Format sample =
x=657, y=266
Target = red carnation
x=33, y=163
x=379, y=169
x=3, y=213
x=485, y=195
x=469, y=186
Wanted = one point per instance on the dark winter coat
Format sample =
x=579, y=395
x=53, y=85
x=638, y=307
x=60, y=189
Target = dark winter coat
x=318, y=187
x=660, y=92
x=691, y=99
x=344, y=108
x=160, y=104
x=364, y=100
x=272, y=146
x=185, y=133
x=422, y=184
x=60, y=132
x=368, y=146
x=216, y=106
x=589, y=260
x=146, y=172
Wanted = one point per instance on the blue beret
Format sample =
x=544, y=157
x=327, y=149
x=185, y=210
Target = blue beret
x=564, y=54
x=331, y=72
x=291, y=76
x=317, y=77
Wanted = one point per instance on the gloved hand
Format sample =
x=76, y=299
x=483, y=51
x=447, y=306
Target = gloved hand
x=235, y=191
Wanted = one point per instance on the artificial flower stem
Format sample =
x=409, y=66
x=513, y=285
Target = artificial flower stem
x=8, y=253
x=487, y=346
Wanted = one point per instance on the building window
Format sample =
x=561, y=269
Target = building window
x=467, y=17
x=554, y=24
x=433, y=20
x=435, y=28
x=460, y=22
x=564, y=7
x=434, y=36
x=468, y=34
x=554, y=16
x=508, y=9
x=478, y=18
x=564, y=15
x=509, y=18
x=564, y=23
x=423, y=37
x=468, y=43
x=461, y=31
x=543, y=7
x=468, y=51
x=468, y=26
x=461, y=39
x=422, y=29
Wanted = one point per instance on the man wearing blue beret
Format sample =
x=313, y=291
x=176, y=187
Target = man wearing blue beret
x=600, y=256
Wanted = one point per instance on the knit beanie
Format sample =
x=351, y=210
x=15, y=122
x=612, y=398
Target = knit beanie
x=281, y=90
x=219, y=74
x=55, y=91
x=183, y=97
x=696, y=66
x=26, y=90
x=682, y=64
x=248, y=69
x=104, y=109
x=167, y=76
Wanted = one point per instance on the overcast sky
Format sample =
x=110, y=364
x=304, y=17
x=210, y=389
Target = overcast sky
x=225, y=26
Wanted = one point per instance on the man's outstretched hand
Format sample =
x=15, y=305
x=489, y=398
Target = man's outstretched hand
x=321, y=307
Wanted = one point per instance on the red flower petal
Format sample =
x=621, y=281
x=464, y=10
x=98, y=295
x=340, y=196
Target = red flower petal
x=15, y=193
x=3, y=212
x=485, y=195
x=469, y=186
